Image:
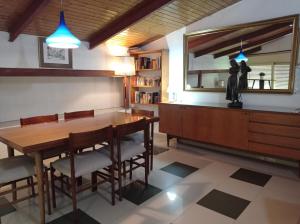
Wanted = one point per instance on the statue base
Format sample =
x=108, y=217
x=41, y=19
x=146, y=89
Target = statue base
x=236, y=104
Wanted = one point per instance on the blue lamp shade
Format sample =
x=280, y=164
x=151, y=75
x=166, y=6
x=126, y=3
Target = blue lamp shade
x=241, y=57
x=62, y=37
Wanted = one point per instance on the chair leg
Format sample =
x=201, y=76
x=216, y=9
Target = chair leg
x=74, y=200
x=120, y=179
x=14, y=193
x=47, y=191
x=79, y=181
x=52, y=170
x=28, y=182
x=130, y=169
x=31, y=184
x=112, y=182
x=73, y=190
x=124, y=169
x=151, y=155
x=146, y=156
x=94, y=181
x=62, y=182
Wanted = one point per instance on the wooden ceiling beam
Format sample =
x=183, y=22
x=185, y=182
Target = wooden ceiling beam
x=202, y=39
x=26, y=18
x=148, y=41
x=254, y=43
x=132, y=16
x=238, y=39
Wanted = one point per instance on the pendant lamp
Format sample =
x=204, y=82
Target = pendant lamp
x=241, y=56
x=62, y=36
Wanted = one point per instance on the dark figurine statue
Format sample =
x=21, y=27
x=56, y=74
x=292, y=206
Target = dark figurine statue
x=243, y=80
x=232, y=91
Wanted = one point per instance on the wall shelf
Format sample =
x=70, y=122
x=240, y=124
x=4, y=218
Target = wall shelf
x=145, y=86
x=148, y=70
x=146, y=104
x=40, y=72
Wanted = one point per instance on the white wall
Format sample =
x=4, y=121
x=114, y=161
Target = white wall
x=29, y=96
x=242, y=12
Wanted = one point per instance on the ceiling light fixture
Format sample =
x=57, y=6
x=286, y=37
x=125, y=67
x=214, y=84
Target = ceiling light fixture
x=241, y=56
x=62, y=37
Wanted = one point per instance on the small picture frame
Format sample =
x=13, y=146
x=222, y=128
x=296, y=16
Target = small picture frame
x=54, y=57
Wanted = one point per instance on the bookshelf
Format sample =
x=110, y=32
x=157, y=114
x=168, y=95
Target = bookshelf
x=149, y=85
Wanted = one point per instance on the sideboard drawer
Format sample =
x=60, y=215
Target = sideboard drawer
x=274, y=150
x=286, y=142
x=274, y=129
x=275, y=118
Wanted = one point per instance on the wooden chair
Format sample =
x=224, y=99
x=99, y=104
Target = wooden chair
x=38, y=119
x=138, y=137
x=132, y=151
x=79, y=114
x=79, y=164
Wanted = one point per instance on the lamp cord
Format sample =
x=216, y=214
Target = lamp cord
x=61, y=5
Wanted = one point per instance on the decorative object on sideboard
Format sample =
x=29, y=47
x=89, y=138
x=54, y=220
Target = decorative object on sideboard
x=54, y=57
x=62, y=37
x=261, y=80
x=232, y=91
x=243, y=80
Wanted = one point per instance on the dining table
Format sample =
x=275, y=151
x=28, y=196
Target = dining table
x=46, y=140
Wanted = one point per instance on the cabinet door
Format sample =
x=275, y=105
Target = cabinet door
x=229, y=128
x=170, y=119
x=195, y=123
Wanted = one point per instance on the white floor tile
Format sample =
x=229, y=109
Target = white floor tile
x=196, y=214
x=269, y=209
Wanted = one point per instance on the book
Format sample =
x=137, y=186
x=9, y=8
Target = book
x=141, y=97
x=147, y=63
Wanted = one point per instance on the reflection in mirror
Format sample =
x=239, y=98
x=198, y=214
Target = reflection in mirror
x=267, y=49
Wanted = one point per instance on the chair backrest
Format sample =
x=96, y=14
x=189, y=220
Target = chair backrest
x=130, y=128
x=39, y=119
x=79, y=141
x=79, y=114
x=82, y=140
x=147, y=113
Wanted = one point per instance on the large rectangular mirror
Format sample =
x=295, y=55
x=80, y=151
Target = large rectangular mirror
x=269, y=48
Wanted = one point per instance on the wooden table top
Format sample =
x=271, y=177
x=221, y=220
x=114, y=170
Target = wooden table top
x=38, y=137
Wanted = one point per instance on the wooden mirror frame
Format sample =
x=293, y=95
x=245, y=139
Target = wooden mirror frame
x=293, y=61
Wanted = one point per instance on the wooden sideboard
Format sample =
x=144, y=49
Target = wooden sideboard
x=270, y=131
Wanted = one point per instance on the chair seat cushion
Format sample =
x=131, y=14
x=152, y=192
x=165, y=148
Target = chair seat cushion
x=85, y=163
x=129, y=149
x=16, y=168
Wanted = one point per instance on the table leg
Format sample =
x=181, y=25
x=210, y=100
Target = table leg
x=11, y=153
x=40, y=180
